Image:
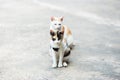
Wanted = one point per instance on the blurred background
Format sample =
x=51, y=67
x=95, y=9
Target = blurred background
x=24, y=39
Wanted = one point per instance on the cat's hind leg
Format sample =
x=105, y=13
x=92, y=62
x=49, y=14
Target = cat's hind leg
x=67, y=52
x=66, y=57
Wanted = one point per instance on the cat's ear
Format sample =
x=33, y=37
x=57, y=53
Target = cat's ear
x=61, y=18
x=52, y=18
x=52, y=33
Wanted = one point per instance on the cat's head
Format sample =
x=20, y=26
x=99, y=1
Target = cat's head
x=56, y=36
x=56, y=22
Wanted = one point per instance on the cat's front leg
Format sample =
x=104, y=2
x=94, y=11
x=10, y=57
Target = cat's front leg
x=54, y=59
x=60, y=64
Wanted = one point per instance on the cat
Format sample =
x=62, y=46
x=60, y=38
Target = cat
x=61, y=42
x=56, y=25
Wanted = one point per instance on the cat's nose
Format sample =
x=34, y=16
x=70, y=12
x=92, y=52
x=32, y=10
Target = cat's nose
x=58, y=42
x=58, y=28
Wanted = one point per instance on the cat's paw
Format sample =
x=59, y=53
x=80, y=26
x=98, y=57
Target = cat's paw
x=60, y=65
x=65, y=64
x=54, y=65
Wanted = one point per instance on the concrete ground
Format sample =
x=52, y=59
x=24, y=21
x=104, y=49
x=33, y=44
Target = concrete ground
x=24, y=39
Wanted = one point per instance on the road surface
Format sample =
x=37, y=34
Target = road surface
x=24, y=39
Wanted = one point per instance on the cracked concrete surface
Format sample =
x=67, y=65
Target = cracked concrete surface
x=24, y=39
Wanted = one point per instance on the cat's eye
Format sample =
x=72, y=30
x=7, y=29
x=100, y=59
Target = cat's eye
x=55, y=24
x=53, y=39
x=59, y=24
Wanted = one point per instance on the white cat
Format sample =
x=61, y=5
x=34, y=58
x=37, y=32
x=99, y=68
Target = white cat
x=61, y=42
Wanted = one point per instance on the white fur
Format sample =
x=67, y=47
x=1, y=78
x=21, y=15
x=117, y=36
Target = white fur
x=65, y=64
x=55, y=27
x=57, y=56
